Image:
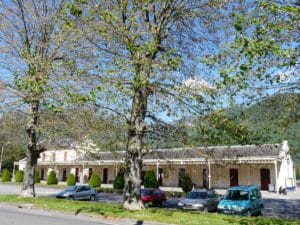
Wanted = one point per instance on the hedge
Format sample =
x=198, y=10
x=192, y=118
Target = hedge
x=71, y=180
x=95, y=180
x=150, y=180
x=6, y=175
x=19, y=176
x=51, y=179
x=187, y=183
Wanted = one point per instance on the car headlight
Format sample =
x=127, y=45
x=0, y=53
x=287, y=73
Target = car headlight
x=198, y=205
x=221, y=207
x=240, y=208
x=180, y=204
x=66, y=194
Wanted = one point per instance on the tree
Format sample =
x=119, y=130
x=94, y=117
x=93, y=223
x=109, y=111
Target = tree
x=150, y=180
x=187, y=183
x=139, y=47
x=19, y=176
x=30, y=49
x=95, y=180
x=52, y=179
x=6, y=176
x=71, y=180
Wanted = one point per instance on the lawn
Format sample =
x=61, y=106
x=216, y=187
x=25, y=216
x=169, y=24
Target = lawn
x=150, y=214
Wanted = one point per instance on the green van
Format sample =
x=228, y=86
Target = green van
x=241, y=200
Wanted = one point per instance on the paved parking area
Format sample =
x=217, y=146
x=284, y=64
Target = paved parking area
x=275, y=205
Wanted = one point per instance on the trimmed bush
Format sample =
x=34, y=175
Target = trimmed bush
x=187, y=183
x=52, y=179
x=71, y=180
x=37, y=178
x=119, y=181
x=19, y=176
x=95, y=180
x=150, y=180
x=6, y=175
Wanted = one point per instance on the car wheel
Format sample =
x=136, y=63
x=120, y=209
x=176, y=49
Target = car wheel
x=248, y=213
x=92, y=197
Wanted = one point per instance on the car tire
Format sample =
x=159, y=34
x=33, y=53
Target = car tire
x=249, y=214
x=92, y=197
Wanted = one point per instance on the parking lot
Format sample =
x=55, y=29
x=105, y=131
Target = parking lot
x=275, y=205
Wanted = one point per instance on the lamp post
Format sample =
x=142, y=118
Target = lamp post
x=2, y=150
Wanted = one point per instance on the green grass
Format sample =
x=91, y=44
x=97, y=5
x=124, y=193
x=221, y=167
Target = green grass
x=150, y=214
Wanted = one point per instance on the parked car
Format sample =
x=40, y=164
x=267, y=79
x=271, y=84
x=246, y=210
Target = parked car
x=201, y=199
x=79, y=192
x=242, y=200
x=153, y=196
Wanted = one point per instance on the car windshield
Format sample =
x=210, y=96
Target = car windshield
x=197, y=195
x=145, y=192
x=237, y=195
x=73, y=188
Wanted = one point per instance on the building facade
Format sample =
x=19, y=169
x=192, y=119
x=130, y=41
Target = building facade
x=269, y=166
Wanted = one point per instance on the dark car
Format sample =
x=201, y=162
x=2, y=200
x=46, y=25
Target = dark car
x=202, y=200
x=153, y=196
x=79, y=192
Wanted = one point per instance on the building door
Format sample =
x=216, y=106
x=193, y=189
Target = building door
x=264, y=179
x=181, y=173
x=64, y=176
x=234, y=177
x=204, y=178
x=105, y=175
x=77, y=174
x=90, y=172
x=160, y=177
x=42, y=174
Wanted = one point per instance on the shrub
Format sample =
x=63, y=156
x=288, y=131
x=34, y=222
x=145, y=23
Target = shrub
x=95, y=180
x=37, y=178
x=71, y=180
x=6, y=175
x=19, y=176
x=51, y=179
x=150, y=180
x=119, y=181
x=187, y=183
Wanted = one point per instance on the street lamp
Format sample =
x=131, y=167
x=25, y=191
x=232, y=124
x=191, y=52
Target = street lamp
x=2, y=150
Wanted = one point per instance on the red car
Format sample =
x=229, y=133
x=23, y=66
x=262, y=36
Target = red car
x=153, y=196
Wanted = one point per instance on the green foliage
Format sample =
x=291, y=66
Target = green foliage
x=187, y=183
x=119, y=181
x=95, y=180
x=150, y=180
x=37, y=178
x=71, y=180
x=52, y=179
x=19, y=176
x=6, y=175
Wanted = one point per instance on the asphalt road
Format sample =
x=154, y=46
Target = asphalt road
x=13, y=215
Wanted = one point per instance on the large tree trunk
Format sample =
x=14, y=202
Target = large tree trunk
x=134, y=153
x=31, y=152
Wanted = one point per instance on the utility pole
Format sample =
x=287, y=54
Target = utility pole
x=2, y=150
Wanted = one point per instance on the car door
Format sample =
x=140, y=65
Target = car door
x=212, y=201
x=78, y=192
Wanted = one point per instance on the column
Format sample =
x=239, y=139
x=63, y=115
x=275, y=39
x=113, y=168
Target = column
x=157, y=167
x=276, y=176
x=209, y=175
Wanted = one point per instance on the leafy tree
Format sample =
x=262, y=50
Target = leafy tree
x=187, y=183
x=71, y=180
x=119, y=181
x=6, y=175
x=32, y=47
x=144, y=53
x=19, y=176
x=37, y=178
x=52, y=179
x=150, y=180
x=95, y=180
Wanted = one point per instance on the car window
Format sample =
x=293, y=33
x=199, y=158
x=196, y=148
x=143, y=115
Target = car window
x=146, y=192
x=258, y=193
x=156, y=192
x=237, y=195
x=197, y=195
x=86, y=188
x=78, y=188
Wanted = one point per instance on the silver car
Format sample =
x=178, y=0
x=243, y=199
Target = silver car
x=202, y=199
x=79, y=192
